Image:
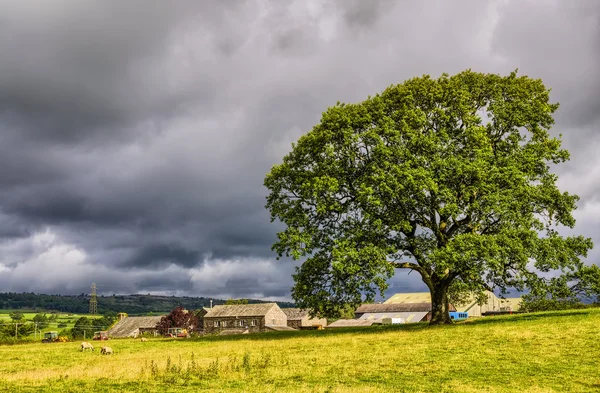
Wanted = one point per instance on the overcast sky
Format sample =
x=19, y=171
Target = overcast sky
x=135, y=135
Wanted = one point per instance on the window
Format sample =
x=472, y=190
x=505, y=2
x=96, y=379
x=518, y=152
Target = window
x=216, y=323
x=253, y=322
x=242, y=323
x=224, y=324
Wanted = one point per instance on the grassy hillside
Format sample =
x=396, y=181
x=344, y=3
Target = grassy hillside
x=544, y=352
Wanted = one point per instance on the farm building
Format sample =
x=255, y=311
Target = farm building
x=134, y=326
x=245, y=318
x=342, y=323
x=200, y=314
x=406, y=312
x=298, y=319
x=492, y=303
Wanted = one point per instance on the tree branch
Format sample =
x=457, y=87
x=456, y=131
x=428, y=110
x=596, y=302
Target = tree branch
x=412, y=266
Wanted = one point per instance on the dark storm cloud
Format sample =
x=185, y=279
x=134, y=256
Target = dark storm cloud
x=163, y=254
x=135, y=136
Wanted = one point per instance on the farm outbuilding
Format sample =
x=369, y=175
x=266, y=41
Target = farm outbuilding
x=134, y=326
x=245, y=318
x=492, y=302
x=298, y=318
x=342, y=323
x=405, y=312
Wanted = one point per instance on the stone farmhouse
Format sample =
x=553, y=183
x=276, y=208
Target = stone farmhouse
x=299, y=319
x=245, y=318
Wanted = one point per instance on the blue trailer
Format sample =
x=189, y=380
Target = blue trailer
x=458, y=315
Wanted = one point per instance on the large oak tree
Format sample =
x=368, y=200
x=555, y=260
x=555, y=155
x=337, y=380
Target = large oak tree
x=448, y=177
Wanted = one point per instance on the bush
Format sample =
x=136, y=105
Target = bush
x=545, y=304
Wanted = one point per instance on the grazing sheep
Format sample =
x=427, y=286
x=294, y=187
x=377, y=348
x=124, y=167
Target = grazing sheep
x=143, y=339
x=106, y=351
x=85, y=345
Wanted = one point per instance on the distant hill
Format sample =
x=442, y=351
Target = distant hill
x=131, y=304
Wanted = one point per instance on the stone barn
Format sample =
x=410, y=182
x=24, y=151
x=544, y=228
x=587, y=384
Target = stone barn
x=134, y=326
x=245, y=318
x=299, y=319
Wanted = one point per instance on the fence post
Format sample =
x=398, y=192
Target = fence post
x=16, y=326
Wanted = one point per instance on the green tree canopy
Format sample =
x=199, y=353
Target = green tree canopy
x=16, y=316
x=83, y=328
x=41, y=320
x=447, y=177
x=236, y=301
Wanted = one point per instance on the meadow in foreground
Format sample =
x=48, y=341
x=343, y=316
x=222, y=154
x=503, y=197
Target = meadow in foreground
x=542, y=352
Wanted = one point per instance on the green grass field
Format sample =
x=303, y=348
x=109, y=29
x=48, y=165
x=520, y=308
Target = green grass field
x=29, y=314
x=63, y=321
x=543, y=352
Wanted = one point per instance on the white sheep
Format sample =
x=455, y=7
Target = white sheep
x=106, y=351
x=143, y=339
x=86, y=345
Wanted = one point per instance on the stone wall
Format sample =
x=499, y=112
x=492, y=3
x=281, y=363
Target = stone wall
x=276, y=317
x=252, y=324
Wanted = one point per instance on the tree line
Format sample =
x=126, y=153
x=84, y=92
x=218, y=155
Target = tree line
x=131, y=304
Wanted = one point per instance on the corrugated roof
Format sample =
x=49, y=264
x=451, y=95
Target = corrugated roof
x=126, y=326
x=406, y=316
x=414, y=297
x=240, y=310
x=350, y=323
x=295, y=314
x=395, y=307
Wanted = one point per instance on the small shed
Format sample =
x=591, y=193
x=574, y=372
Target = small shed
x=298, y=318
x=249, y=318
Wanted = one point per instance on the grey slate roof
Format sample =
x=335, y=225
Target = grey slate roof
x=126, y=326
x=295, y=314
x=240, y=310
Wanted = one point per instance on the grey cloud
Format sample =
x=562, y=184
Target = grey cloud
x=363, y=14
x=138, y=134
x=158, y=255
x=562, y=49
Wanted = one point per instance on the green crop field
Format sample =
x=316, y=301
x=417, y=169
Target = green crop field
x=542, y=352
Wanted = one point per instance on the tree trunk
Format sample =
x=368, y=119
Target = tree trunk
x=440, y=307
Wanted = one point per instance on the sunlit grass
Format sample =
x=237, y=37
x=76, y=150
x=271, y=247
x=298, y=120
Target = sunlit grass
x=546, y=352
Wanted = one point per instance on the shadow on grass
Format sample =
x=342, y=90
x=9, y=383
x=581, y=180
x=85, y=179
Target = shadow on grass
x=268, y=336
x=529, y=316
